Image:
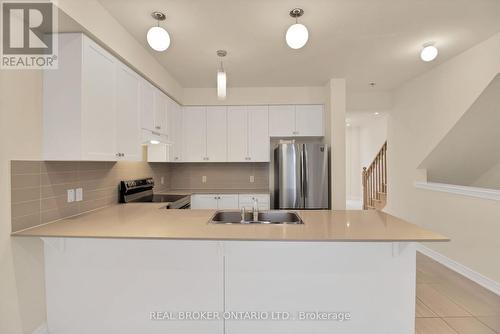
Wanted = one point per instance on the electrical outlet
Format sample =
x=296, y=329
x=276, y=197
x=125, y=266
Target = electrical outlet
x=252, y=179
x=78, y=194
x=204, y=179
x=162, y=180
x=71, y=195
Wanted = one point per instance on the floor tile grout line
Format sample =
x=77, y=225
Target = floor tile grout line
x=479, y=319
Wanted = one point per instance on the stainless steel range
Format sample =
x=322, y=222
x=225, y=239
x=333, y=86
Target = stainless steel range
x=142, y=191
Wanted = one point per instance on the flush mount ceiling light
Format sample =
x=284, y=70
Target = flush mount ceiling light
x=297, y=34
x=429, y=52
x=158, y=38
x=221, y=77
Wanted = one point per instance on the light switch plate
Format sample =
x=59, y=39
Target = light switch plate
x=204, y=179
x=79, y=194
x=252, y=179
x=162, y=180
x=71, y=195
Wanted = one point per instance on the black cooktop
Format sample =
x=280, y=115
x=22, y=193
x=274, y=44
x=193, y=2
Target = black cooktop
x=158, y=198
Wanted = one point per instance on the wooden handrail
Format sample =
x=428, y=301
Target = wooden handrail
x=374, y=178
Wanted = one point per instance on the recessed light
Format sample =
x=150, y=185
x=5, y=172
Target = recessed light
x=376, y=113
x=429, y=52
x=348, y=124
x=154, y=142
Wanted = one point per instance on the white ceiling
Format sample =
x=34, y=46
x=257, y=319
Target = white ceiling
x=361, y=40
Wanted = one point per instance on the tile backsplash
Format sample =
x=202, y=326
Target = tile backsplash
x=219, y=176
x=39, y=188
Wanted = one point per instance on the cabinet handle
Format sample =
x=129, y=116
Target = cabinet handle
x=158, y=127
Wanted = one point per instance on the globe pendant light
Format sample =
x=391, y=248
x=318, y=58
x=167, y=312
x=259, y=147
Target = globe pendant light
x=221, y=77
x=429, y=52
x=158, y=38
x=297, y=34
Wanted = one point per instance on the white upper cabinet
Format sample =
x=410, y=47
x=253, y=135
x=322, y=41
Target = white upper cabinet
x=296, y=121
x=128, y=114
x=160, y=112
x=281, y=121
x=258, y=134
x=89, y=103
x=216, y=134
x=237, y=133
x=248, y=133
x=146, y=103
x=98, y=103
x=309, y=120
x=205, y=134
x=194, y=134
x=175, y=130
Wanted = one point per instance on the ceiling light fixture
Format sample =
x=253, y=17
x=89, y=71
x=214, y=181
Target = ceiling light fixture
x=154, y=142
x=158, y=38
x=429, y=52
x=221, y=77
x=297, y=34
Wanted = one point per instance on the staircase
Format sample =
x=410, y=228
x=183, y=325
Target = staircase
x=375, y=182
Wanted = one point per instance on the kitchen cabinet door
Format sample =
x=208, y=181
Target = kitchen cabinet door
x=216, y=118
x=175, y=130
x=146, y=103
x=128, y=119
x=227, y=201
x=119, y=283
x=160, y=112
x=258, y=134
x=98, y=103
x=282, y=121
x=204, y=201
x=237, y=134
x=309, y=120
x=194, y=134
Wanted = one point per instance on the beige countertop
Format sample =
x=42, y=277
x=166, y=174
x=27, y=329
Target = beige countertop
x=149, y=221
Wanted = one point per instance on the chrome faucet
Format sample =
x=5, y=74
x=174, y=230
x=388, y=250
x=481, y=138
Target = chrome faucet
x=255, y=209
x=242, y=214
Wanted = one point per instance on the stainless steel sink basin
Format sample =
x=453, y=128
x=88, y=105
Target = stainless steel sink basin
x=265, y=217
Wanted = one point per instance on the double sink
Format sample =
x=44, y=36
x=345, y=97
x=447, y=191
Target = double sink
x=274, y=217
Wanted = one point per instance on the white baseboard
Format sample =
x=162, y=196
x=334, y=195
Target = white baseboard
x=474, y=276
x=42, y=329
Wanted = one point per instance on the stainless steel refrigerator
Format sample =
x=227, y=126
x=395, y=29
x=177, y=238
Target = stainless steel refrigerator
x=301, y=176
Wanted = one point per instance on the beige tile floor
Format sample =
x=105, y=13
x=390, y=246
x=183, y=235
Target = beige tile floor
x=450, y=303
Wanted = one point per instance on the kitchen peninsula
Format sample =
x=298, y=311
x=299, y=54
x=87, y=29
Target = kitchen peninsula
x=124, y=267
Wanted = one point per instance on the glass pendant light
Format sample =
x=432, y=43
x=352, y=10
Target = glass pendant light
x=221, y=77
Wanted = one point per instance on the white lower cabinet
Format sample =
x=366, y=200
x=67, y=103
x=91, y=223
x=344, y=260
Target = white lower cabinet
x=126, y=286
x=246, y=201
x=229, y=201
x=214, y=201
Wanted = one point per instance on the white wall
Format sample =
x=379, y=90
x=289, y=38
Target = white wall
x=336, y=111
x=255, y=95
x=373, y=134
x=104, y=28
x=22, y=301
x=353, y=164
x=425, y=109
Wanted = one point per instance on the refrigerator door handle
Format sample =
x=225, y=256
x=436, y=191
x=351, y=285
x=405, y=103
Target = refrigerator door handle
x=305, y=173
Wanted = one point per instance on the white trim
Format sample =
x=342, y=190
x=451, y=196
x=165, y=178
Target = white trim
x=474, y=276
x=484, y=193
x=42, y=329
